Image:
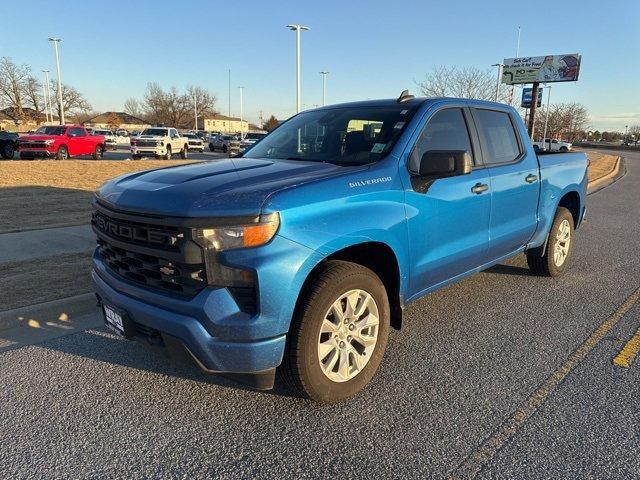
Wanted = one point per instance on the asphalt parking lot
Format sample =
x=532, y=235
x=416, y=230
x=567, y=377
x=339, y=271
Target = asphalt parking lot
x=503, y=375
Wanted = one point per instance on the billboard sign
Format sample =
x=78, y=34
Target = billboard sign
x=526, y=97
x=550, y=68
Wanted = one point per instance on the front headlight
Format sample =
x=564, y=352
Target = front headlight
x=242, y=236
x=49, y=142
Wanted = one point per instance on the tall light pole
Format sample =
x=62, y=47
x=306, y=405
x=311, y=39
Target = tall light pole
x=546, y=118
x=55, y=42
x=297, y=28
x=324, y=86
x=195, y=109
x=499, y=65
x=241, y=106
x=45, y=94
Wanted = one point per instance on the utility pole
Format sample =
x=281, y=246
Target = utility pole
x=546, y=119
x=229, y=111
x=45, y=94
x=55, y=42
x=324, y=87
x=297, y=28
x=499, y=65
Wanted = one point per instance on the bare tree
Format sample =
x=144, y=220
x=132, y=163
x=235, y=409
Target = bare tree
x=133, y=107
x=13, y=78
x=461, y=82
x=634, y=131
x=73, y=101
x=170, y=107
x=33, y=94
x=566, y=120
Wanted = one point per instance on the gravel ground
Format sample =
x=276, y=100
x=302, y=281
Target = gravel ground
x=90, y=405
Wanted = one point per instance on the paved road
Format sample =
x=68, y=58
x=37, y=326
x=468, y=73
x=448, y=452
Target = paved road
x=504, y=375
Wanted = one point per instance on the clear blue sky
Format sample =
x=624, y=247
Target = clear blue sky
x=373, y=49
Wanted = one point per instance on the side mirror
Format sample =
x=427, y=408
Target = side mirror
x=445, y=163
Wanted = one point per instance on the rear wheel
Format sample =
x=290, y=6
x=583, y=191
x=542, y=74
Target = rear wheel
x=184, y=153
x=211, y=148
x=63, y=153
x=167, y=155
x=224, y=148
x=97, y=154
x=564, y=149
x=7, y=151
x=339, y=333
x=559, y=247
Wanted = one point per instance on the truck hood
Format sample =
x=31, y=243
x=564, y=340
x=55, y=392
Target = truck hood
x=36, y=137
x=231, y=187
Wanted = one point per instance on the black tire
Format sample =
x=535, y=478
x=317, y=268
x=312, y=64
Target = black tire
x=8, y=150
x=211, y=148
x=546, y=265
x=564, y=149
x=63, y=153
x=224, y=148
x=167, y=155
x=135, y=157
x=97, y=154
x=184, y=153
x=301, y=369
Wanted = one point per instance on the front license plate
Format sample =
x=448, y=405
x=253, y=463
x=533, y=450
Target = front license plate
x=113, y=320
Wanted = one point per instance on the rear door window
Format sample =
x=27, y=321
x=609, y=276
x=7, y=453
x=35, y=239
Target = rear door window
x=498, y=135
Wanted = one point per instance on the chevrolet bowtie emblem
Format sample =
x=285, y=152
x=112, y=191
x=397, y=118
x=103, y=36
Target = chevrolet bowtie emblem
x=167, y=270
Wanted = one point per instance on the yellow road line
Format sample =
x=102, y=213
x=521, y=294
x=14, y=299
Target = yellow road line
x=628, y=352
x=482, y=455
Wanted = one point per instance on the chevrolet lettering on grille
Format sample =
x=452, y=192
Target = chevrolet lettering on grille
x=133, y=232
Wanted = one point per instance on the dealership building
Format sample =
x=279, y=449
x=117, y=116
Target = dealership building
x=224, y=124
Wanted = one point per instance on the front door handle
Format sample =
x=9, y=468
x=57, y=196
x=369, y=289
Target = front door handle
x=478, y=188
x=530, y=178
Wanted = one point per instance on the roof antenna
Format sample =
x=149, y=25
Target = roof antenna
x=404, y=96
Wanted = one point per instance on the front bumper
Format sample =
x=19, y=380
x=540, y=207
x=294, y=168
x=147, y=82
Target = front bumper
x=210, y=325
x=37, y=152
x=158, y=151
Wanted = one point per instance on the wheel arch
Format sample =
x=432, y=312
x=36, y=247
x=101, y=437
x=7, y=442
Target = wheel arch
x=380, y=258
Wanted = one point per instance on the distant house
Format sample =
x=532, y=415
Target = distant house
x=115, y=120
x=224, y=124
x=29, y=120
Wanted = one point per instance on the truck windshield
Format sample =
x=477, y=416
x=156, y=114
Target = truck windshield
x=156, y=132
x=51, y=130
x=342, y=135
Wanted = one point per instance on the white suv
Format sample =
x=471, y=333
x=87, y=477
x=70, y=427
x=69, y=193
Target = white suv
x=159, y=142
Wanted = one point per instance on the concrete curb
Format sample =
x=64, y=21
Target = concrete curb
x=606, y=180
x=53, y=311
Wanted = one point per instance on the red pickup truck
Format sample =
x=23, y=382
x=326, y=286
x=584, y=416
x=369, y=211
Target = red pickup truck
x=61, y=142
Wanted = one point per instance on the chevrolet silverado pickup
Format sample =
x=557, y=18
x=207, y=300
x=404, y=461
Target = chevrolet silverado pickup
x=159, y=142
x=302, y=254
x=61, y=142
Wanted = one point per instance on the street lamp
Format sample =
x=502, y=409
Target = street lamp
x=47, y=97
x=499, y=65
x=241, y=106
x=297, y=28
x=324, y=86
x=55, y=42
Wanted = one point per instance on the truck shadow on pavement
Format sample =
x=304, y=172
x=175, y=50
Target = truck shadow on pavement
x=100, y=345
x=506, y=269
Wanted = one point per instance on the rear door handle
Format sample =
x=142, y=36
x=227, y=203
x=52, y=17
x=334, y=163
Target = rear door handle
x=478, y=188
x=530, y=178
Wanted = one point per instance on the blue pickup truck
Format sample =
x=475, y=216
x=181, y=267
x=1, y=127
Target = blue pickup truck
x=301, y=255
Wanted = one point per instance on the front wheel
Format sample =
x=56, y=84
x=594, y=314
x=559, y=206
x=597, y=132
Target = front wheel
x=559, y=247
x=97, y=154
x=63, y=153
x=211, y=147
x=339, y=333
x=167, y=155
x=184, y=153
